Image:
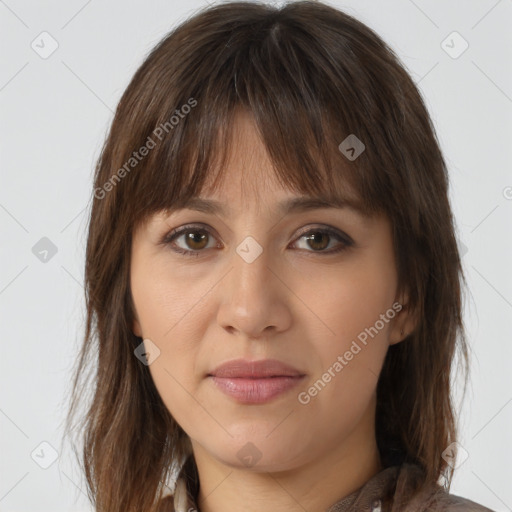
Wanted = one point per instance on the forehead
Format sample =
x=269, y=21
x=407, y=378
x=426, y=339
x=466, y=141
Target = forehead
x=242, y=172
x=248, y=175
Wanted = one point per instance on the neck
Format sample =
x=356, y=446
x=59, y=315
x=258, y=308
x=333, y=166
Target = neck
x=313, y=486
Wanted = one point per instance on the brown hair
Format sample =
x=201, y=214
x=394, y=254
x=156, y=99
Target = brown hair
x=311, y=76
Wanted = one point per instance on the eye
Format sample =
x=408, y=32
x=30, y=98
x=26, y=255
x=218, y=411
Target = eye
x=192, y=240
x=319, y=239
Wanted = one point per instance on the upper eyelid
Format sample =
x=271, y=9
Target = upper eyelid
x=216, y=216
x=270, y=229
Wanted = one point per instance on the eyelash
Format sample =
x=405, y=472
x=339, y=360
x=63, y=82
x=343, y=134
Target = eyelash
x=169, y=238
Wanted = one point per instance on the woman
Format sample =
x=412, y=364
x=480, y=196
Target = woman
x=300, y=359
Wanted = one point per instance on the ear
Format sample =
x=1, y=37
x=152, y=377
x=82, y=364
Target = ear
x=136, y=328
x=405, y=321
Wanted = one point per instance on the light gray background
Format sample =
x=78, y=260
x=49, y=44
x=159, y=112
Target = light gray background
x=55, y=113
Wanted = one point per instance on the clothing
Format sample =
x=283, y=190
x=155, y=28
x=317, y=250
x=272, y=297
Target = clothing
x=390, y=490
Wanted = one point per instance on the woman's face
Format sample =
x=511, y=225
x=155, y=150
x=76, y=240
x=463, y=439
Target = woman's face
x=263, y=285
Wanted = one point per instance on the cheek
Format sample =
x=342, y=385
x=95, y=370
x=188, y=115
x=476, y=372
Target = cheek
x=163, y=321
x=162, y=299
x=168, y=307
x=348, y=302
x=348, y=358
x=350, y=326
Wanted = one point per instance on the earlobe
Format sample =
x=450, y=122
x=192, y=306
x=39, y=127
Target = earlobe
x=404, y=324
x=397, y=339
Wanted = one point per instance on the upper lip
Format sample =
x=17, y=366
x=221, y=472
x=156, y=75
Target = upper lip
x=243, y=368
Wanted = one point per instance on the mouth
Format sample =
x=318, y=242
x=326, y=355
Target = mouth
x=255, y=382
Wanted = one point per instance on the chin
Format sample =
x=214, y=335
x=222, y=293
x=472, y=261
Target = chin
x=258, y=453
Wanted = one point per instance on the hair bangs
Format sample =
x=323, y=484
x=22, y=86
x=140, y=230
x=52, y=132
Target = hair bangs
x=291, y=105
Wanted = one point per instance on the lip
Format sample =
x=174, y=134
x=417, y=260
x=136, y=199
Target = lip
x=242, y=368
x=255, y=382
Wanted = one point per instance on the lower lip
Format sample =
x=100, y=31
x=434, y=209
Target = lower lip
x=255, y=391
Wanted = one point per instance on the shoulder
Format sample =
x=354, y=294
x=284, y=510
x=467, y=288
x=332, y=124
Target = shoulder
x=446, y=502
x=419, y=497
x=437, y=499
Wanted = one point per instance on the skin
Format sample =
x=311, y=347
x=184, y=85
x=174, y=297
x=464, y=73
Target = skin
x=292, y=303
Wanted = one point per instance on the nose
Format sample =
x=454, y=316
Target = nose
x=255, y=300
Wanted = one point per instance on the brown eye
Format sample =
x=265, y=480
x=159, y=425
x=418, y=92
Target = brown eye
x=188, y=240
x=195, y=240
x=318, y=240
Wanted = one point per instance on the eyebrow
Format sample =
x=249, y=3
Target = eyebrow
x=293, y=205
